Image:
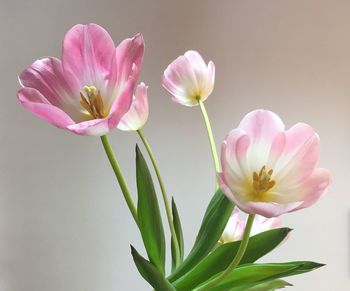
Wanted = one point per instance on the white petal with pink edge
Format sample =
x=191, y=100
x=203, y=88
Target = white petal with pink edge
x=137, y=115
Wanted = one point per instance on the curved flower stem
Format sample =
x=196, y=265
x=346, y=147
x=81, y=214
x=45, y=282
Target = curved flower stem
x=238, y=257
x=165, y=197
x=119, y=175
x=211, y=138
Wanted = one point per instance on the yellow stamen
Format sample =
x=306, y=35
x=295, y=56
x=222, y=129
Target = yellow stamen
x=262, y=182
x=92, y=102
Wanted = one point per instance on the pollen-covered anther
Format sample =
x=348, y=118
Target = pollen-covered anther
x=262, y=181
x=92, y=102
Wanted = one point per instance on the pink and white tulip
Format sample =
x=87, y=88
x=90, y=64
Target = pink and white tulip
x=188, y=79
x=137, y=115
x=235, y=226
x=90, y=88
x=268, y=170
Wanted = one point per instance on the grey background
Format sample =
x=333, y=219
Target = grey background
x=63, y=223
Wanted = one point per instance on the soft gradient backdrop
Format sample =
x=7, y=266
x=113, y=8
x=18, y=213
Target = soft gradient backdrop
x=63, y=223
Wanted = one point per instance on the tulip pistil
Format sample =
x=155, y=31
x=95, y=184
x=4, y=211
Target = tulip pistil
x=262, y=181
x=92, y=102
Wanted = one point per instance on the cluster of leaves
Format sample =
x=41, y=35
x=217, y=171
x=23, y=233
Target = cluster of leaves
x=205, y=261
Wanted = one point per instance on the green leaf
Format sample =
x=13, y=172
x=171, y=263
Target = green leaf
x=266, y=286
x=219, y=259
x=178, y=231
x=306, y=266
x=264, y=243
x=149, y=218
x=259, y=273
x=150, y=273
x=213, y=224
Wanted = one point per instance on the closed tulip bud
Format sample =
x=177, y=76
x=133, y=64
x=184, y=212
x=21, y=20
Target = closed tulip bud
x=188, y=79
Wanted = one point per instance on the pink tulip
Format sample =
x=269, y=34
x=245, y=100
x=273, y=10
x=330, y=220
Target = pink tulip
x=188, y=79
x=269, y=171
x=90, y=88
x=137, y=115
x=235, y=226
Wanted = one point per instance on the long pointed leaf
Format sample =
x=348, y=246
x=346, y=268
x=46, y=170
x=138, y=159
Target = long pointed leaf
x=266, y=286
x=213, y=224
x=217, y=261
x=260, y=273
x=149, y=218
x=178, y=231
x=150, y=273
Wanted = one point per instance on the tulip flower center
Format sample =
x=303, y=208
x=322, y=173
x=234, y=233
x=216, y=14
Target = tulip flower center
x=92, y=102
x=262, y=183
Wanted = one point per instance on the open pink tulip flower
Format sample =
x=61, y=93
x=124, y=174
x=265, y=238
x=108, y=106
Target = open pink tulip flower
x=268, y=170
x=236, y=224
x=137, y=115
x=188, y=79
x=90, y=88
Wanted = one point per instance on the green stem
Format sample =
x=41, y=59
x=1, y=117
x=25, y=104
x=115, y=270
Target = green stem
x=210, y=136
x=118, y=173
x=165, y=198
x=238, y=257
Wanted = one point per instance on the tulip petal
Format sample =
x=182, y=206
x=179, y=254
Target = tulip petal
x=236, y=224
x=124, y=70
x=59, y=88
x=87, y=52
x=226, y=188
x=300, y=155
x=262, y=125
x=234, y=166
x=235, y=148
x=121, y=104
x=210, y=78
x=130, y=54
x=180, y=81
x=197, y=65
x=137, y=115
x=36, y=103
x=229, y=233
x=276, y=149
x=268, y=209
x=316, y=187
x=171, y=87
x=94, y=127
